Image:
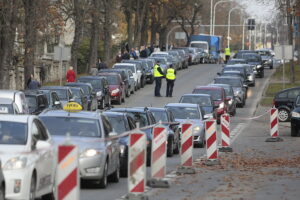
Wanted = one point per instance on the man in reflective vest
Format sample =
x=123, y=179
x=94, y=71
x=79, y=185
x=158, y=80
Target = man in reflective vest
x=158, y=76
x=227, y=54
x=170, y=77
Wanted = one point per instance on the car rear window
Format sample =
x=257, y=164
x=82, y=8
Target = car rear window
x=282, y=95
x=293, y=94
x=216, y=94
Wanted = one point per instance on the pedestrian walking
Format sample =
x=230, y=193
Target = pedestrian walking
x=227, y=54
x=32, y=83
x=158, y=76
x=101, y=64
x=170, y=77
x=71, y=75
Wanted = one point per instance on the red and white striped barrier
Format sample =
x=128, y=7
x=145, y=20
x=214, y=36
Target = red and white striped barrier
x=158, y=155
x=274, y=122
x=225, y=133
x=186, y=151
x=67, y=175
x=136, y=163
x=211, y=141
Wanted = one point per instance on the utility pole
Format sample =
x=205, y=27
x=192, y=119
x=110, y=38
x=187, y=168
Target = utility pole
x=290, y=37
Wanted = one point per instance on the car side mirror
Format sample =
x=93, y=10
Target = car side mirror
x=42, y=145
x=112, y=134
x=244, y=85
x=57, y=103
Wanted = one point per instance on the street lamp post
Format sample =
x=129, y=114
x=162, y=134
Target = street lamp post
x=243, y=42
x=211, y=16
x=214, y=14
x=228, y=31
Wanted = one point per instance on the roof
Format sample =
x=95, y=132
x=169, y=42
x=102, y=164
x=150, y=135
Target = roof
x=228, y=77
x=236, y=66
x=238, y=59
x=107, y=74
x=16, y=118
x=124, y=64
x=90, y=77
x=8, y=93
x=6, y=101
x=142, y=109
x=160, y=52
x=54, y=88
x=220, y=85
x=33, y=92
x=288, y=89
x=77, y=84
x=232, y=72
x=62, y=113
x=208, y=87
x=156, y=109
x=109, y=113
x=196, y=95
x=182, y=105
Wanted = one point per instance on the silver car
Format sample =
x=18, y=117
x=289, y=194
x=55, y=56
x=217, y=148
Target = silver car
x=18, y=98
x=190, y=112
x=91, y=132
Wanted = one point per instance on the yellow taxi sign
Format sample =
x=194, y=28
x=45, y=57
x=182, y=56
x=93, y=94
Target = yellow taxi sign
x=72, y=107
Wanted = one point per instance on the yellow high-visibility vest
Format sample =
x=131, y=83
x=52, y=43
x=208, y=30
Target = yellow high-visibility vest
x=156, y=73
x=227, y=51
x=171, y=74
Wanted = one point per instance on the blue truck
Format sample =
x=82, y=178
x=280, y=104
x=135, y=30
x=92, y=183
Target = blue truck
x=211, y=44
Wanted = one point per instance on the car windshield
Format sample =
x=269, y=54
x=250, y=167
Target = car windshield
x=86, y=89
x=31, y=101
x=74, y=126
x=264, y=53
x=76, y=93
x=118, y=124
x=13, y=133
x=240, y=69
x=140, y=118
x=96, y=83
x=6, y=109
x=230, y=81
x=215, y=94
x=249, y=69
x=160, y=116
x=112, y=80
x=184, y=112
x=251, y=57
x=201, y=101
x=161, y=60
x=62, y=94
x=232, y=62
x=132, y=68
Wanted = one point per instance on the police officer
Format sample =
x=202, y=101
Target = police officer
x=158, y=76
x=170, y=77
x=227, y=54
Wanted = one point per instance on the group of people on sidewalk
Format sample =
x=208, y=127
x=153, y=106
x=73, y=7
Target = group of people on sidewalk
x=159, y=75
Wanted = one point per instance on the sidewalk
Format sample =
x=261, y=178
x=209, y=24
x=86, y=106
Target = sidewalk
x=255, y=170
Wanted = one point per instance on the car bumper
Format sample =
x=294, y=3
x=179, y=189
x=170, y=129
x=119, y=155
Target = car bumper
x=21, y=177
x=91, y=168
x=295, y=123
x=197, y=140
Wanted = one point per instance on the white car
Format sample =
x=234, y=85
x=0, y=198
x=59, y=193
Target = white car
x=160, y=54
x=137, y=74
x=28, y=157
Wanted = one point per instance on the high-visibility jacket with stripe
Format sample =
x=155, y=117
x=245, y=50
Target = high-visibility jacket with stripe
x=171, y=74
x=156, y=73
x=227, y=51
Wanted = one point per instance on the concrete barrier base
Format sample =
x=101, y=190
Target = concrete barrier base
x=274, y=139
x=225, y=149
x=158, y=183
x=185, y=170
x=212, y=162
x=131, y=196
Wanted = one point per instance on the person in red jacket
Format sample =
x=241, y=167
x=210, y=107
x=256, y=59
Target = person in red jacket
x=71, y=76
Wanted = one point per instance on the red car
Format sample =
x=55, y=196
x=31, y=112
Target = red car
x=219, y=97
x=116, y=87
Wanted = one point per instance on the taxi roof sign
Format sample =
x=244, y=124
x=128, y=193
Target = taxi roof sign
x=73, y=107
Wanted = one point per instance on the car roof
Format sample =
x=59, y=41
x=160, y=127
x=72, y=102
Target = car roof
x=237, y=59
x=63, y=113
x=232, y=72
x=141, y=109
x=124, y=64
x=159, y=52
x=9, y=93
x=54, y=88
x=90, y=77
x=6, y=101
x=228, y=77
x=182, y=105
x=110, y=113
x=16, y=118
x=196, y=95
x=220, y=85
x=33, y=92
x=156, y=109
x=208, y=87
x=107, y=74
x=293, y=88
x=78, y=84
x=234, y=66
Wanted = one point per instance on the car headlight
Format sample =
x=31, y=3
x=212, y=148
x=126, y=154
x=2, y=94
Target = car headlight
x=221, y=105
x=258, y=66
x=197, y=128
x=250, y=78
x=122, y=149
x=90, y=153
x=99, y=94
x=295, y=114
x=115, y=91
x=15, y=163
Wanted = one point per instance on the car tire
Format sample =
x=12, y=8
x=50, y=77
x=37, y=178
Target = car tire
x=283, y=115
x=170, y=147
x=124, y=171
x=123, y=99
x=32, y=192
x=202, y=144
x=2, y=192
x=271, y=66
x=103, y=180
x=115, y=177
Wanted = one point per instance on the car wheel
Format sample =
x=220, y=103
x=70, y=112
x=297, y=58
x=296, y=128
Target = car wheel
x=177, y=147
x=294, y=132
x=123, y=99
x=170, y=147
x=271, y=67
x=283, y=115
x=115, y=177
x=32, y=191
x=103, y=180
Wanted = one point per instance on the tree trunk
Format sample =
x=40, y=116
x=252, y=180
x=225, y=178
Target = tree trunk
x=153, y=28
x=30, y=37
x=162, y=37
x=144, y=30
x=107, y=28
x=78, y=19
x=7, y=36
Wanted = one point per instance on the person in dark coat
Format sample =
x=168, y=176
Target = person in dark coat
x=143, y=53
x=33, y=84
x=101, y=64
x=126, y=56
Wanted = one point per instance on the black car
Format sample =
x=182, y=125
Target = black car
x=79, y=97
x=168, y=120
x=144, y=118
x=121, y=123
x=284, y=102
x=149, y=71
x=88, y=91
x=266, y=57
x=255, y=60
x=142, y=66
x=100, y=89
x=37, y=101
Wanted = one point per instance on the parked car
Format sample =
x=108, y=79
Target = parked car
x=205, y=102
x=136, y=72
x=80, y=97
x=7, y=106
x=168, y=120
x=295, y=118
x=234, y=61
x=162, y=62
x=190, y=112
x=194, y=56
x=116, y=87
x=100, y=89
x=24, y=173
x=17, y=97
x=142, y=68
x=238, y=88
x=37, y=101
x=179, y=59
x=64, y=93
x=255, y=60
x=121, y=123
x=88, y=91
x=229, y=92
x=97, y=160
x=53, y=99
x=149, y=71
x=284, y=102
x=267, y=57
x=219, y=97
x=144, y=118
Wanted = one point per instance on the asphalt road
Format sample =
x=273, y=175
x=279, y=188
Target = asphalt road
x=186, y=80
